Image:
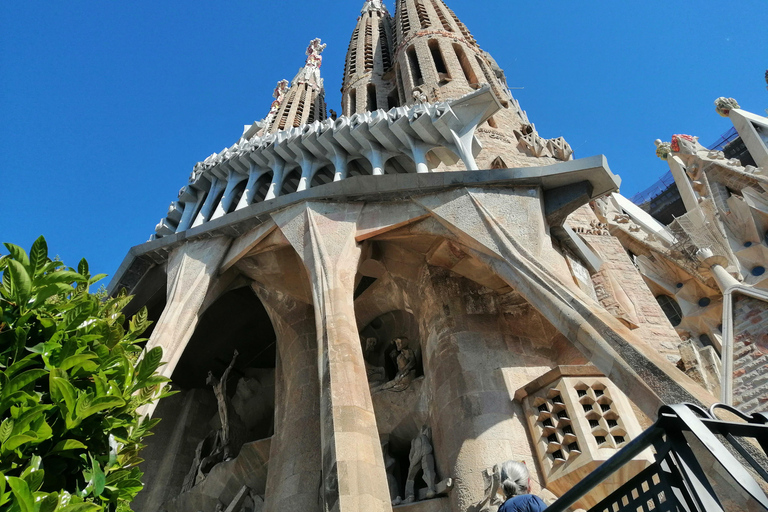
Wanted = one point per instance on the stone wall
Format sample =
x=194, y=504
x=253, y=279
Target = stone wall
x=750, y=354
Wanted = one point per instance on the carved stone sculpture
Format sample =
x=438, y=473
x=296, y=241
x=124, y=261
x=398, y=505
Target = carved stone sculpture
x=310, y=73
x=419, y=96
x=406, y=367
x=421, y=457
x=376, y=374
x=220, y=390
x=490, y=501
x=725, y=105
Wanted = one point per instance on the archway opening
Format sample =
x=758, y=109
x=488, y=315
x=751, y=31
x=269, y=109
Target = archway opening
x=291, y=182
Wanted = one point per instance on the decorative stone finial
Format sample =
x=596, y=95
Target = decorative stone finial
x=663, y=149
x=725, y=105
x=374, y=5
x=310, y=73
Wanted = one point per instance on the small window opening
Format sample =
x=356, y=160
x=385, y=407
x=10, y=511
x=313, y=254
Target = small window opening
x=371, y=92
x=413, y=62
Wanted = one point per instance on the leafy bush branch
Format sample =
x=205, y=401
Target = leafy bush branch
x=72, y=379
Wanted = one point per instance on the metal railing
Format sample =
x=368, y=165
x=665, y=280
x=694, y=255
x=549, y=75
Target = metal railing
x=688, y=446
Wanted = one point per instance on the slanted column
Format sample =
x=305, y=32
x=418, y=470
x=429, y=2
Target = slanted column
x=233, y=180
x=190, y=207
x=340, y=166
x=354, y=477
x=207, y=209
x=278, y=170
x=191, y=271
x=254, y=173
x=295, y=466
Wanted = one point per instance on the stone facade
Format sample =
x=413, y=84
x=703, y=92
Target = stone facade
x=376, y=288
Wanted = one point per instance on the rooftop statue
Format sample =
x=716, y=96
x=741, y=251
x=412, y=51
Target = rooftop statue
x=310, y=73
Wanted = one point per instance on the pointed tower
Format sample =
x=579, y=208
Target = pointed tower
x=436, y=54
x=437, y=59
x=369, y=57
x=304, y=101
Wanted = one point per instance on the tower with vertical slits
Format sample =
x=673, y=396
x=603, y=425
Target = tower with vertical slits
x=367, y=84
x=304, y=101
x=426, y=54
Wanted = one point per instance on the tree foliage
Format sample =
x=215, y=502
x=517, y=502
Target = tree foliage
x=71, y=380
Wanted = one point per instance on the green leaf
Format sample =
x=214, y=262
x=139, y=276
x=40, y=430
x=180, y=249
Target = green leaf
x=96, y=278
x=61, y=276
x=21, y=284
x=76, y=316
x=22, y=380
x=99, y=404
x=82, y=268
x=15, y=441
x=2, y=489
x=49, y=502
x=7, y=289
x=149, y=364
x=5, y=429
x=69, y=444
x=38, y=256
x=81, y=507
x=18, y=254
x=21, y=492
x=71, y=361
x=33, y=473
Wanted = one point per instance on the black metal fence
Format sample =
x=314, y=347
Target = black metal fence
x=703, y=464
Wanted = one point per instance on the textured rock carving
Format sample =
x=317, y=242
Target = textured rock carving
x=724, y=105
x=405, y=359
x=421, y=457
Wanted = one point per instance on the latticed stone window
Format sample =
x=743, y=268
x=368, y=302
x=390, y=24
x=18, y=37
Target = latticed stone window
x=577, y=419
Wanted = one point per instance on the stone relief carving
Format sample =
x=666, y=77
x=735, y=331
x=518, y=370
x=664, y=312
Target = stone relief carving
x=222, y=400
x=405, y=359
x=724, y=105
x=491, y=500
x=419, y=96
x=279, y=95
x=376, y=374
x=310, y=73
x=421, y=457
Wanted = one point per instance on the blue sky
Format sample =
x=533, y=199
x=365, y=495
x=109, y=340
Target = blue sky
x=106, y=106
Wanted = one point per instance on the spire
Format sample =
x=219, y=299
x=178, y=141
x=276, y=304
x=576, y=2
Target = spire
x=304, y=101
x=369, y=57
x=437, y=57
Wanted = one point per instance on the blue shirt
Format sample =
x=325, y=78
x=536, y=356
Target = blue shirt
x=523, y=503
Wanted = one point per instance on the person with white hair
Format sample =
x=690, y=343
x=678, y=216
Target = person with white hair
x=516, y=485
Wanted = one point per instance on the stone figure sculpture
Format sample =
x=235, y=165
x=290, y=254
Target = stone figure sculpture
x=724, y=105
x=421, y=457
x=222, y=400
x=389, y=464
x=310, y=73
x=405, y=359
x=376, y=374
x=490, y=501
x=419, y=96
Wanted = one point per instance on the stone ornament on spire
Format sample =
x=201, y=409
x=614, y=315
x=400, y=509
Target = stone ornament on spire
x=724, y=105
x=279, y=95
x=374, y=6
x=310, y=73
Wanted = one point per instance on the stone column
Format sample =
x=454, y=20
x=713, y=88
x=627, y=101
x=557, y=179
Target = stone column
x=354, y=477
x=474, y=423
x=295, y=469
x=191, y=271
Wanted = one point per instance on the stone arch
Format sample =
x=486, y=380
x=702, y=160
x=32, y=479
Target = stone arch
x=237, y=193
x=262, y=186
x=290, y=181
x=400, y=164
x=359, y=167
x=236, y=320
x=322, y=176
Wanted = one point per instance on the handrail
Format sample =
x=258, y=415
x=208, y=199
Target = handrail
x=673, y=454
